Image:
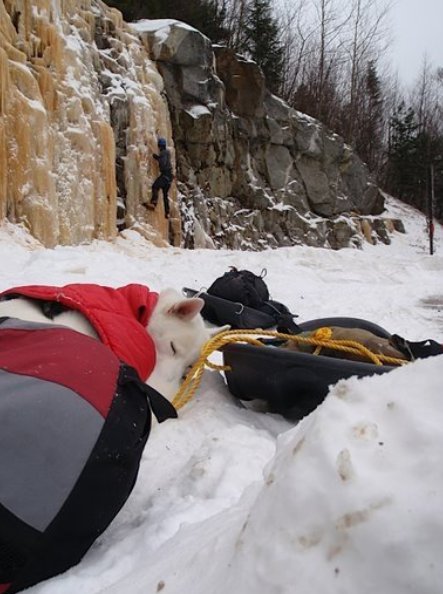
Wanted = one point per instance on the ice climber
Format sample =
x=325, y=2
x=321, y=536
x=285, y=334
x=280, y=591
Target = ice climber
x=165, y=178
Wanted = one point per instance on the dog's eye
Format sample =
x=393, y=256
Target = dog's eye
x=173, y=349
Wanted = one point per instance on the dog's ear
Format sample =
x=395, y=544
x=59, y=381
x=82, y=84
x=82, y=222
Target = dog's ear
x=186, y=309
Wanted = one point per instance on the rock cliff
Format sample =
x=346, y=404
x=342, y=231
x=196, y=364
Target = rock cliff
x=252, y=171
x=83, y=97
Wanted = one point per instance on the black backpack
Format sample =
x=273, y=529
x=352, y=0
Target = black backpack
x=245, y=288
x=241, y=286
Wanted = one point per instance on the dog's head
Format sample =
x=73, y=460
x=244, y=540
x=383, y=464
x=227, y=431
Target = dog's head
x=179, y=332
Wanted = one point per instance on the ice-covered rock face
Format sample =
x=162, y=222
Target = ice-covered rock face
x=80, y=109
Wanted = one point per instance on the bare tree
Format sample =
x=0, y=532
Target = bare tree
x=367, y=38
x=330, y=26
x=427, y=96
x=314, y=62
x=297, y=34
x=235, y=18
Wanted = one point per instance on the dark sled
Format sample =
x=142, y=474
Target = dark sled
x=290, y=383
x=345, y=322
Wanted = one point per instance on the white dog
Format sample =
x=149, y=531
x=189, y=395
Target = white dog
x=179, y=332
x=175, y=325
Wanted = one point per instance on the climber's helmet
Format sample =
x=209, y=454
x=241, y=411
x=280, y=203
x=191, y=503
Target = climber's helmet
x=161, y=143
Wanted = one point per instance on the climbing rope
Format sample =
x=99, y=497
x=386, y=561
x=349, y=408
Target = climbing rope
x=321, y=339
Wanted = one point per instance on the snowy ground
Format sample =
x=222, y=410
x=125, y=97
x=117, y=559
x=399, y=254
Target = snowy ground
x=230, y=500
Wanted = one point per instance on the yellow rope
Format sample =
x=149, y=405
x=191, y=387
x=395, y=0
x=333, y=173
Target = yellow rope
x=217, y=342
x=322, y=334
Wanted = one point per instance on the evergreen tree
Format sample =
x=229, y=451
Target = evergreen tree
x=262, y=42
x=128, y=8
x=369, y=131
x=403, y=150
x=429, y=153
x=438, y=180
x=411, y=153
x=208, y=16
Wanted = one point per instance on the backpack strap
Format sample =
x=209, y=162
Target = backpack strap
x=160, y=406
x=416, y=350
x=286, y=325
x=283, y=318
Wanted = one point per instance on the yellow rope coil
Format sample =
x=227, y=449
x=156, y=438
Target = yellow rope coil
x=320, y=339
x=322, y=334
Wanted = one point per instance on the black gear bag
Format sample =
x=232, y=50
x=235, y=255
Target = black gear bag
x=241, y=299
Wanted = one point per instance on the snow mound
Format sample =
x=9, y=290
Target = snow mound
x=351, y=502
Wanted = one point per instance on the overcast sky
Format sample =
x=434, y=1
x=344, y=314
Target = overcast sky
x=417, y=28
